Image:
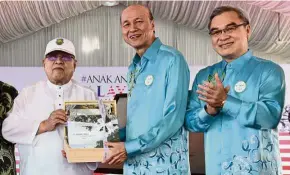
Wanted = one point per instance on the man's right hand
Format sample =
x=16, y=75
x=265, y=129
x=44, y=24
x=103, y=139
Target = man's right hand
x=55, y=118
x=212, y=110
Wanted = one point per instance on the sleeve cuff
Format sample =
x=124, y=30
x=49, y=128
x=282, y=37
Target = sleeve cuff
x=34, y=138
x=232, y=106
x=204, y=116
x=132, y=147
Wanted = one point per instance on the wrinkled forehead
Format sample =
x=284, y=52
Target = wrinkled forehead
x=225, y=19
x=132, y=13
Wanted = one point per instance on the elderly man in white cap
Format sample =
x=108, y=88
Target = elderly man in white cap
x=37, y=120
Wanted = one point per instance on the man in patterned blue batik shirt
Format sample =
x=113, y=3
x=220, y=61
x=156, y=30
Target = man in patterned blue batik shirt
x=158, y=80
x=237, y=102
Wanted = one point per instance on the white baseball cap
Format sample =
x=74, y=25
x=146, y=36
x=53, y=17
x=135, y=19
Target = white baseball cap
x=60, y=44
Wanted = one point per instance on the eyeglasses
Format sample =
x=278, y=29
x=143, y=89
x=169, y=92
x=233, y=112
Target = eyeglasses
x=65, y=58
x=227, y=30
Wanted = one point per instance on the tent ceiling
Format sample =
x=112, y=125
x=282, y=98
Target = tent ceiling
x=275, y=6
x=20, y=18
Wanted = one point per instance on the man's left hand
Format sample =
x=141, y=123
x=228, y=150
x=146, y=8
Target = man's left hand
x=63, y=153
x=213, y=95
x=118, y=153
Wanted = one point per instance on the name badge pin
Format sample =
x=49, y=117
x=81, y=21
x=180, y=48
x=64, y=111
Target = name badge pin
x=240, y=86
x=149, y=80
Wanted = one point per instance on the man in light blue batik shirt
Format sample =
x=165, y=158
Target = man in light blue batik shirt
x=237, y=102
x=158, y=80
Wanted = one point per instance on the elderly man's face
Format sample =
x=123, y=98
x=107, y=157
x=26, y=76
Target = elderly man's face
x=59, y=67
x=233, y=41
x=137, y=29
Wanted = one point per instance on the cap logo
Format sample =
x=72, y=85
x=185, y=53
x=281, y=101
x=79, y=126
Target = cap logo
x=59, y=41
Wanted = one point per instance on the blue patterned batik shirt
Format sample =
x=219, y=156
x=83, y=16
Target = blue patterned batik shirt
x=156, y=141
x=242, y=139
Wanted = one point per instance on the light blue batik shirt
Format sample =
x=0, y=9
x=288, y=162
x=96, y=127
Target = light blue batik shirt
x=156, y=141
x=242, y=138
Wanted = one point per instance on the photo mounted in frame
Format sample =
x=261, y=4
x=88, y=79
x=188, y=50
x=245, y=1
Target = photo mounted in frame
x=89, y=124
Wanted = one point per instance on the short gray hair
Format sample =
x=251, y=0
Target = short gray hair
x=219, y=10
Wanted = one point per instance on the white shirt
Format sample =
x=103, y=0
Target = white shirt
x=41, y=154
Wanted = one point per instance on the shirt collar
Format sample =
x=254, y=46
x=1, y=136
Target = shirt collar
x=57, y=87
x=239, y=62
x=150, y=53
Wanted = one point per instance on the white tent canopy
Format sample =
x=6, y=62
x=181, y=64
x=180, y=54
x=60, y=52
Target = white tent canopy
x=270, y=21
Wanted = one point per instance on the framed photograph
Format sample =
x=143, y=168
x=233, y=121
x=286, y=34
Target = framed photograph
x=84, y=126
x=90, y=123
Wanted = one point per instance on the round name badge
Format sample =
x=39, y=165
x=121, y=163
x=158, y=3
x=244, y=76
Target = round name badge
x=240, y=86
x=149, y=80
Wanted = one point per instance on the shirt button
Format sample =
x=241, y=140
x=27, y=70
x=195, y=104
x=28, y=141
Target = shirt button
x=59, y=95
x=59, y=104
x=59, y=88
